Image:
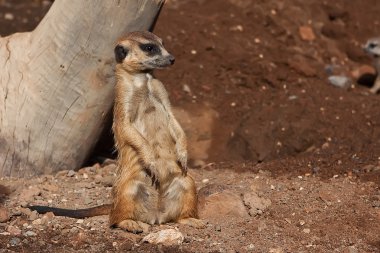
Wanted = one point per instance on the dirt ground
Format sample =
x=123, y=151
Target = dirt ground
x=294, y=160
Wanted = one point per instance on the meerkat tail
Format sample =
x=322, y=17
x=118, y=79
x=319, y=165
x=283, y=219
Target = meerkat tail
x=72, y=213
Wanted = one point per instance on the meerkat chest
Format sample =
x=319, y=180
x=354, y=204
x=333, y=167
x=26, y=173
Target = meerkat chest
x=151, y=114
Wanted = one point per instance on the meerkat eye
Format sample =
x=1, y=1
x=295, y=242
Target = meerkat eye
x=120, y=53
x=372, y=45
x=150, y=48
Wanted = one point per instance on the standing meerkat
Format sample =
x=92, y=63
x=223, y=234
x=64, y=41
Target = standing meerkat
x=372, y=47
x=152, y=185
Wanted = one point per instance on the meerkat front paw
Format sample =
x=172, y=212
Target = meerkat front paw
x=182, y=160
x=151, y=171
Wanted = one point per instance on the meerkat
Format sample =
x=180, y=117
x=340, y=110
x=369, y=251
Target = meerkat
x=152, y=184
x=372, y=47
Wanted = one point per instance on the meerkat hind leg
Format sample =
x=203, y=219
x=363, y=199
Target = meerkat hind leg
x=180, y=203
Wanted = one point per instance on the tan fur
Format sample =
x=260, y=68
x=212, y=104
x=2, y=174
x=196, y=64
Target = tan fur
x=152, y=185
x=372, y=47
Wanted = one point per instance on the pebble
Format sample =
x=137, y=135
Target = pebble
x=14, y=241
x=70, y=173
x=30, y=233
x=250, y=247
x=340, y=81
x=186, y=88
x=306, y=230
x=218, y=228
x=9, y=16
x=306, y=33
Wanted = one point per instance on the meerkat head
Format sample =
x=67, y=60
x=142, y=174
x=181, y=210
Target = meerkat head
x=142, y=52
x=372, y=47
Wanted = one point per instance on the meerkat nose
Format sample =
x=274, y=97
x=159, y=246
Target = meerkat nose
x=171, y=59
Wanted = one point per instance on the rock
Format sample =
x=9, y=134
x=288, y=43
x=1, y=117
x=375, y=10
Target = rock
x=14, y=241
x=13, y=230
x=166, y=237
x=218, y=228
x=255, y=204
x=70, y=173
x=362, y=70
x=29, y=193
x=306, y=230
x=30, y=233
x=340, y=81
x=218, y=205
x=4, y=215
x=306, y=33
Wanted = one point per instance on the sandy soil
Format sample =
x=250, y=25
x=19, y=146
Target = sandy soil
x=288, y=162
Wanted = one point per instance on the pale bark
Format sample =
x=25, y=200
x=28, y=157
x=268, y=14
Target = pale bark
x=56, y=84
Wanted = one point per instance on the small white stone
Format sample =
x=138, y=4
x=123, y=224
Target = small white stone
x=9, y=16
x=30, y=233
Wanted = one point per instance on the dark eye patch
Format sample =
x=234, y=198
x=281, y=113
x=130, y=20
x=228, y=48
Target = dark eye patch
x=150, y=48
x=372, y=45
x=120, y=53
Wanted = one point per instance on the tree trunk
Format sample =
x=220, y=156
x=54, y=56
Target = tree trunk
x=57, y=82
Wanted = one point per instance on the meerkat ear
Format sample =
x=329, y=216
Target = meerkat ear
x=120, y=53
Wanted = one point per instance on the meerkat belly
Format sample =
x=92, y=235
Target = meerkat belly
x=154, y=126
